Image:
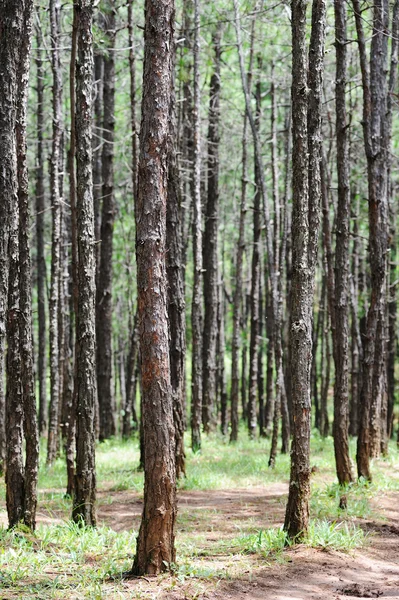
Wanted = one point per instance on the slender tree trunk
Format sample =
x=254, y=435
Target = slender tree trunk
x=98, y=149
x=21, y=479
x=130, y=413
x=306, y=201
x=210, y=244
x=254, y=297
x=85, y=476
x=104, y=283
x=155, y=542
x=374, y=83
x=52, y=446
x=31, y=432
x=132, y=69
x=40, y=255
x=221, y=379
x=70, y=423
x=356, y=342
x=341, y=276
x=196, y=310
x=387, y=418
x=238, y=300
x=176, y=300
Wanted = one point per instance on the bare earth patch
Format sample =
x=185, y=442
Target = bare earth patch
x=210, y=522
x=302, y=573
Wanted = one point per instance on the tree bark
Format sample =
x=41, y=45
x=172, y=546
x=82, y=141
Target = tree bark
x=176, y=299
x=210, y=244
x=306, y=201
x=155, y=542
x=31, y=432
x=196, y=309
x=85, y=476
x=238, y=300
x=341, y=276
x=104, y=282
x=53, y=430
x=374, y=82
x=40, y=254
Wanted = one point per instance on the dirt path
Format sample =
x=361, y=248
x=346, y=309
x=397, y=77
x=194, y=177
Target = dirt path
x=303, y=573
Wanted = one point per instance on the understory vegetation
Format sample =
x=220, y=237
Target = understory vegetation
x=229, y=521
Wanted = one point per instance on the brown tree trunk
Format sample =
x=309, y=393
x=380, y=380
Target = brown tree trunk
x=21, y=479
x=210, y=244
x=31, y=432
x=85, y=476
x=70, y=417
x=53, y=430
x=341, y=275
x=238, y=300
x=104, y=282
x=254, y=297
x=306, y=201
x=40, y=255
x=374, y=83
x=176, y=300
x=196, y=309
x=155, y=542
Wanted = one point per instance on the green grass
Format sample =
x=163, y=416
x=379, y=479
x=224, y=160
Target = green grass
x=322, y=534
x=62, y=560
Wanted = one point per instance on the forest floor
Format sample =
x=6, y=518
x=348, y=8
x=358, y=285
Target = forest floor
x=230, y=545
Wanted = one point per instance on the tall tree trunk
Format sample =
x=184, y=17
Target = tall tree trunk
x=53, y=432
x=374, y=83
x=306, y=201
x=210, y=244
x=104, y=283
x=155, y=542
x=40, y=255
x=176, y=300
x=254, y=297
x=356, y=342
x=341, y=276
x=98, y=149
x=70, y=416
x=21, y=479
x=238, y=300
x=386, y=420
x=132, y=69
x=31, y=432
x=85, y=476
x=196, y=309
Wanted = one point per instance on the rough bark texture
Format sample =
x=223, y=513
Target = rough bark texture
x=25, y=286
x=70, y=417
x=85, y=477
x=104, y=282
x=210, y=245
x=155, y=543
x=374, y=81
x=196, y=309
x=21, y=479
x=238, y=293
x=176, y=300
x=255, y=279
x=305, y=200
x=40, y=256
x=52, y=445
x=341, y=338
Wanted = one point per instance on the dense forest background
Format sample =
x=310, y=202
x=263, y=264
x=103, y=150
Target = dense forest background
x=211, y=246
